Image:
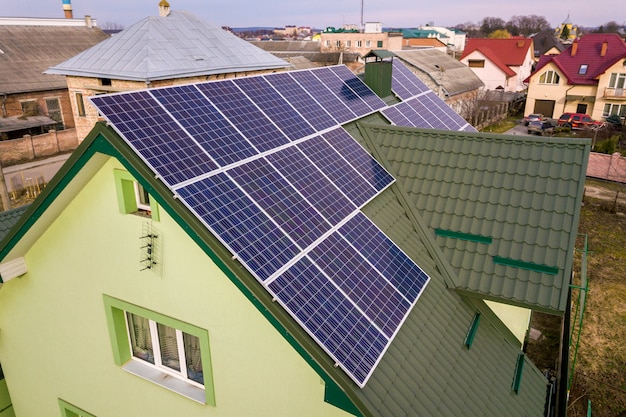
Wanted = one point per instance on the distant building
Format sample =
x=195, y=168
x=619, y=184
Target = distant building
x=156, y=51
x=351, y=40
x=32, y=102
x=569, y=28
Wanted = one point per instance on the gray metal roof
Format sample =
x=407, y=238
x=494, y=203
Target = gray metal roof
x=27, y=51
x=434, y=66
x=175, y=46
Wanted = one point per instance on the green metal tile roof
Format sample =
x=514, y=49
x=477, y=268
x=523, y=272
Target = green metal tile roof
x=520, y=195
x=9, y=218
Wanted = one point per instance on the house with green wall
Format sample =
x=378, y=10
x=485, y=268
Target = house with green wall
x=122, y=293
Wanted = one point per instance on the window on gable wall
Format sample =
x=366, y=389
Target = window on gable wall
x=476, y=63
x=617, y=80
x=161, y=349
x=549, y=77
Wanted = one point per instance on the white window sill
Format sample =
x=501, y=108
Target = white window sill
x=165, y=380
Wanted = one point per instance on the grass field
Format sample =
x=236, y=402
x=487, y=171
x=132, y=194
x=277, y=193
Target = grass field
x=600, y=372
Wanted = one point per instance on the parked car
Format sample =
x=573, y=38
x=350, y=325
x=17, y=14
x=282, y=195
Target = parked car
x=532, y=117
x=540, y=127
x=578, y=121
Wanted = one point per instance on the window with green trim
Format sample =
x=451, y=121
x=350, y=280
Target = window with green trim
x=132, y=197
x=166, y=351
x=69, y=410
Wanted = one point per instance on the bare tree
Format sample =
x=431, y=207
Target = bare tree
x=527, y=25
x=491, y=24
x=112, y=26
x=609, y=27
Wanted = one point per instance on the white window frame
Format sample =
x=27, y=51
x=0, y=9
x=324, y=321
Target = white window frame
x=550, y=77
x=610, y=108
x=617, y=80
x=327, y=42
x=142, y=198
x=359, y=44
x=156, y=346
x=348, y=44
x=368, y=44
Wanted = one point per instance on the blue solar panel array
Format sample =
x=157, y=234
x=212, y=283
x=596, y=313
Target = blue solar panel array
x=264, y=163
x=420, y=106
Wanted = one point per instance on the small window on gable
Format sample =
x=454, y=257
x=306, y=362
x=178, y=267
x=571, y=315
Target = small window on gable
x=69, y=410
x=549, y=77
x=476, y=63
x=105, y=81
x=583, y=69
x=161, y=349
x=132, y=198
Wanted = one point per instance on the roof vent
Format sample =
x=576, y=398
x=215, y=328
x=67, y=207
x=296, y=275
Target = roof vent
x=164, y=8
x=520, y=44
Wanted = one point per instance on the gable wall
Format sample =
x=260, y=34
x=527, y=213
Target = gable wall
x=54, y=338
x=491, y=74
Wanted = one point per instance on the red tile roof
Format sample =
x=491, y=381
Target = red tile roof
x=598, y=51
x=504, y=53
x=607, y=167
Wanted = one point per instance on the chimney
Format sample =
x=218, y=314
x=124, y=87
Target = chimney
x=605, y=45
x=67, y=9
x=574, y=48
x=164, y=8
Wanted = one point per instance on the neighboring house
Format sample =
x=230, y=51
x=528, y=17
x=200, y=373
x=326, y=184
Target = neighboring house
x=32, y=102
x=200, y=255
x=346, y=40
x=546, y=43
x=588, y=77
x=502, y=64
x=414, y=38
x=157, y=51
x=454, y=82
x=299, y=52
x=566, y=30
x=455, y=39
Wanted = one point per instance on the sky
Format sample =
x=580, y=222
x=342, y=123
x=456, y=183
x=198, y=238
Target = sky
x=320, y=14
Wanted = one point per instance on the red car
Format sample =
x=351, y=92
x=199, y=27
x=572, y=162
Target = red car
x=578, y=121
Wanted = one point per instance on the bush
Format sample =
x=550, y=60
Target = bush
x=607, y=146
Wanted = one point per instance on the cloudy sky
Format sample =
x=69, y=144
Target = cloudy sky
x=324, y=13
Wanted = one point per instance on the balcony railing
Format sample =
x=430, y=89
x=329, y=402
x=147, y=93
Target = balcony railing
x=615, y=93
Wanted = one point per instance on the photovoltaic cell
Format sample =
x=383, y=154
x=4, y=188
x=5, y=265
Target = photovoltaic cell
x=303, y=101
x=359, y=87
x=394, y=115
x=344, y=176
x=337, y=325
x=275, y=107
x=313, y=184
x=356, y=156
x=280, y=201
x=324, y=96
x=404, y=83
x=240, y=224
x=203, y=121
x=422, y=109
x=449, y=117
x=166, y=147
x=343, y=91
x=241, y=112
x=408, y=278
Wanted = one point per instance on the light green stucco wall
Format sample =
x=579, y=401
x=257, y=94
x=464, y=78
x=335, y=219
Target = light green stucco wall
x=517, y=319
x=54, y=341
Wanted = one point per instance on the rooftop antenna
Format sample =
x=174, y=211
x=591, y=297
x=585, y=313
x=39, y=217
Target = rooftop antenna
x=362, y=16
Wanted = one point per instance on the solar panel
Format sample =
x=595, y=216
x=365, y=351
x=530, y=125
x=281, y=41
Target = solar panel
x=213, y=132
x=404, y=83
x=244, y=115
x=275, y=107
x=152, y=132
x=302, y=100
x=426, y=111
x=263, y=163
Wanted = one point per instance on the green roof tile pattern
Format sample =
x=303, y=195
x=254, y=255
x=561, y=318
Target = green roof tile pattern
x=524, y=193
x=9, y=218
